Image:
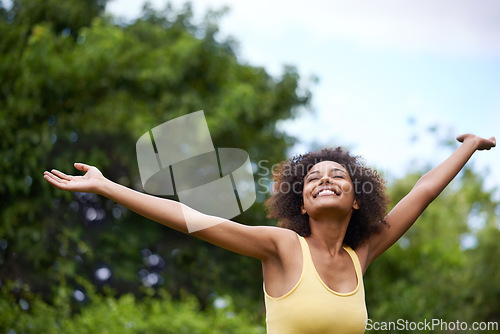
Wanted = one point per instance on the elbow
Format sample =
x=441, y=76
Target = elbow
x=427, y=191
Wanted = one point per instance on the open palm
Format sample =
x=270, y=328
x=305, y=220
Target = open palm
x=89, y=182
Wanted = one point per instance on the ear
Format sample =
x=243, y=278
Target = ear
x=302, y=209
x=356, y=205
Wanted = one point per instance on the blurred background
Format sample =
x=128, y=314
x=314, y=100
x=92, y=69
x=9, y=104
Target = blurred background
x=381, y=72
x=393, y=82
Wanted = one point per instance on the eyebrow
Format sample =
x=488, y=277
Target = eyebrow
x=333, y=169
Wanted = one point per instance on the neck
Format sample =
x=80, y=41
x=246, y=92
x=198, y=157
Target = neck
x=328, y=233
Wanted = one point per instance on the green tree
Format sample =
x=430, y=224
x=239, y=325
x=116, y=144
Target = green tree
x=75, y=86
x=124, y=314
x=444, y=266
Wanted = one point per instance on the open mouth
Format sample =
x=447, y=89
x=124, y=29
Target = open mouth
x=330, y=191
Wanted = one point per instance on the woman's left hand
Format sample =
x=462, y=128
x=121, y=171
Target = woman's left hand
x=481, y=143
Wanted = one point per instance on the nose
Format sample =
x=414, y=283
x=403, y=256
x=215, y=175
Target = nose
x=326, y=179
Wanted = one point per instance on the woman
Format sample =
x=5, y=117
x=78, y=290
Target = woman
x=333, y=211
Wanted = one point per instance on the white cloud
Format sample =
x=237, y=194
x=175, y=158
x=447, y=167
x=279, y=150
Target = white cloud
x=279, y=32
x=468, y=27
x=445, y=26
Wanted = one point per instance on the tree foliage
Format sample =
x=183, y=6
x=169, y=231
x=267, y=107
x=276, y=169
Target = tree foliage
x=125, y=314
x=75, y=86
x=445, y=266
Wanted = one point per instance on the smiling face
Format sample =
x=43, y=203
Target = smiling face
x=327, y=189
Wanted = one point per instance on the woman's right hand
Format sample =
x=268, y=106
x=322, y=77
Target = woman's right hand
x=90, y=182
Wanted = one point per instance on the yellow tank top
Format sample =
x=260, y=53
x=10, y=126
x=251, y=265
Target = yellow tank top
x=311, y=307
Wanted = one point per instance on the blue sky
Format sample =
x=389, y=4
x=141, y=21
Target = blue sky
x=380, y=64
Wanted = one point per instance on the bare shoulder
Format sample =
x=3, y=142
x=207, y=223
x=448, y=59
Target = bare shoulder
x=286, y=246
x=283, y=238
x=261, y=242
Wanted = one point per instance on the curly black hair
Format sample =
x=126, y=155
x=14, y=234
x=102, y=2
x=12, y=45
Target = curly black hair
x=369, y=187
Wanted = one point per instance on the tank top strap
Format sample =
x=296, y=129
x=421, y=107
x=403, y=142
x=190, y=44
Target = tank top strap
x=307, y=261
x=355, y=261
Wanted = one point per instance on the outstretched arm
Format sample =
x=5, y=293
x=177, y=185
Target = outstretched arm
x=406, y=212
x=254, y=241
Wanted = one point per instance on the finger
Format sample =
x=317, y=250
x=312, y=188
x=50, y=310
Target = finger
x=494, y=141
x=49, y=176
x=82, y=166
x=460, y=138
x=61, y=175
x=54, y=180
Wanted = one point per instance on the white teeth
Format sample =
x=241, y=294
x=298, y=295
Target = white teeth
x=326, y=192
